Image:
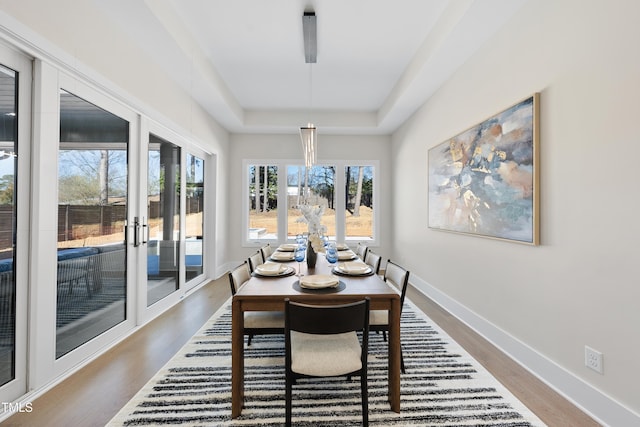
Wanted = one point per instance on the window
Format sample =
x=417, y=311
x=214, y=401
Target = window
x=263, y=202
x=359, y=202
x=345, y=188
x=316, y=186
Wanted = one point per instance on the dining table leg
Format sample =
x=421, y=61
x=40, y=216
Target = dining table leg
x=394, y=355
x=237, y=358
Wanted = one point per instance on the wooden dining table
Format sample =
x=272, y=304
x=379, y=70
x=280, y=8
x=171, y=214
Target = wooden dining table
x=268, y=294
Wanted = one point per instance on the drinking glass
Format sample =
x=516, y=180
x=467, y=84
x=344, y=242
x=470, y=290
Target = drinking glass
x=332, y=254
x=299, y=256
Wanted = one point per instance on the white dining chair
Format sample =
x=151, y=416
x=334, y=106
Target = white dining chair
x=398, y=277
x=255, y=322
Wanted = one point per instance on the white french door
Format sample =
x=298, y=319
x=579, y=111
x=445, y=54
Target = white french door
x=15, y=137
x=102, y=229
x=173, y=218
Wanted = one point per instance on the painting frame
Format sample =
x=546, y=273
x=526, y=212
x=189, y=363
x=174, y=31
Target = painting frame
x=484, y=181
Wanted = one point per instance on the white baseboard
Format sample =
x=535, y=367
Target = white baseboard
x=592, y=401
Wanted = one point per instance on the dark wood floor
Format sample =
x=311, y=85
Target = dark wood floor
x=92, y=396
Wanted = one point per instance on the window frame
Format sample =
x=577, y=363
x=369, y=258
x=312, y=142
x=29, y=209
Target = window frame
x=340, y=207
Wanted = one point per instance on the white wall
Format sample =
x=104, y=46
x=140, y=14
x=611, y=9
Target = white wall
x=284, y=147
x=580, y=286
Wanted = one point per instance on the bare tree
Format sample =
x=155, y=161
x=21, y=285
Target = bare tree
x=103, y=177
x=356, y=207
x=265, y=189
x=256, y=193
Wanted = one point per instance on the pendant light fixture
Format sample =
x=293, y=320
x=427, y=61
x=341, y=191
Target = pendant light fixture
x=309, y=136
x=309, y=133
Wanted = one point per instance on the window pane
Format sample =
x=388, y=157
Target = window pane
x=314, y=186
x=195, y=217
x=163, y=201
x=263, y=202
x=8, y=159
x=92, y=209
x=359, y=202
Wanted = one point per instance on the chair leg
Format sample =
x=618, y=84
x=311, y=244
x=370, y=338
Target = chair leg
x=287, y=401
x=402, y=361
x=249, y=340
x=384, y=336
x=365, y=399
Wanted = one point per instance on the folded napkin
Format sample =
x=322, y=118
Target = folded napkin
x=346, y=255
x=288, y=247
x=319, y=281
x=282, y=256
x=271, y=269
x=342, y=246
x=355, y=267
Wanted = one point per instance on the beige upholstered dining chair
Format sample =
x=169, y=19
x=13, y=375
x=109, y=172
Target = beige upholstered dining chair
x=373, y=260
x=255, y=322
x=266, y=250
x=361, y=251
x=398, y=277
x=322, y=341
x=255, y=260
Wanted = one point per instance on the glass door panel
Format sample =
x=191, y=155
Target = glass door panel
x=8, y=160
x=194, y=216
x=92, y=213
x=163, y=205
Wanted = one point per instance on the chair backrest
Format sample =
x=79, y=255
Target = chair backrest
x=361, y=250
x=373, y=260
x=267, y=250
x=327, y=319
x=397, y=276
x=255, y=260
x=238, y=276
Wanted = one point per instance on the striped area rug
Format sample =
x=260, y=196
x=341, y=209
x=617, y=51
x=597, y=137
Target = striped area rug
x=443, y=386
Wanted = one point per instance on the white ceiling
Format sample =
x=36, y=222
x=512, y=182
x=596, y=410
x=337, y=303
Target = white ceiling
x=378, y=60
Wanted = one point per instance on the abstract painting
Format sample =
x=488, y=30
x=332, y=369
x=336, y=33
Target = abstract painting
x=484, y=181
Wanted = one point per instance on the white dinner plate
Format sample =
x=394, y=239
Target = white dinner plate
x=287, y=247
x=282, y=256
x=272, y=269
x=319, y=281
x=353, y=268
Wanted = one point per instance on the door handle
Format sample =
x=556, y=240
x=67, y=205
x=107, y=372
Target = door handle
x=145, y=230
x=136, y=232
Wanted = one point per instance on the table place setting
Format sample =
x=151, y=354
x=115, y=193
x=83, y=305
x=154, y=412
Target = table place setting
x=319, y=282
x=287, y=247
x=273, y=269
x=282, y=256
x=346, y=255
x=353, y=268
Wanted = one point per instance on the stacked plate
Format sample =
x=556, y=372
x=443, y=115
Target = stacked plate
x=282, y=256
x=346, y=255
x=319, y=281
x=273, y=269
x=287, y=247
x=353, y=268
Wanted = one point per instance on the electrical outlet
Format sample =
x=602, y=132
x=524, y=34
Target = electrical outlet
x=593, y=359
